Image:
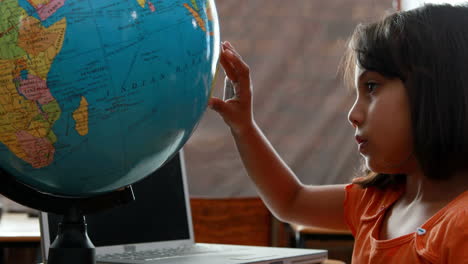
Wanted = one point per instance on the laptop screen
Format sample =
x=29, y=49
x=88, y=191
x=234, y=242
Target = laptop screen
x=158, y=213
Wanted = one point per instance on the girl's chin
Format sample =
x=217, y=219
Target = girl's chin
x=381, y=170
x=372, y=166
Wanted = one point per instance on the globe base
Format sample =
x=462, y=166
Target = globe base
x=72, y=256
x=72, y=245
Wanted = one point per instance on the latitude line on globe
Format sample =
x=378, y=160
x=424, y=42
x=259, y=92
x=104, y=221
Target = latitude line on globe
x=97, y=49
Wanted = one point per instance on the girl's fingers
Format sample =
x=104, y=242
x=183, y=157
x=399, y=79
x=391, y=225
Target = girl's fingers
x=235, y=59
x=229, y=45
x=229, y=49
x=241, y=69
x=217, y=105
x=227, y=65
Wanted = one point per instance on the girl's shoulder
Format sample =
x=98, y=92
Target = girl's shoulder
x=367, y=204
x=372, y=199
x=449, y=222
x=456, y=212
x=445, y=235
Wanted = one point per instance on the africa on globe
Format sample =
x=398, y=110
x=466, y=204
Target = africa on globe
x=96, y=95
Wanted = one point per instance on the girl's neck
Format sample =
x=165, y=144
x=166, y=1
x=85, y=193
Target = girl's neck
x=421, y=189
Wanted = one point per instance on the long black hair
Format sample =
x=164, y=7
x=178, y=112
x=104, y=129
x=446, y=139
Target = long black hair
x=427, y=49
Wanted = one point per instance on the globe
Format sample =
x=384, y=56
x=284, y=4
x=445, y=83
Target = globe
x=96, y=95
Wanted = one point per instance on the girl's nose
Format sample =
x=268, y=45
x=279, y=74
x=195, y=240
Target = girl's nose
x=355, y=116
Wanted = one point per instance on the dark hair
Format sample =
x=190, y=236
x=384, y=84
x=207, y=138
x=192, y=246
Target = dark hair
x=427, y=48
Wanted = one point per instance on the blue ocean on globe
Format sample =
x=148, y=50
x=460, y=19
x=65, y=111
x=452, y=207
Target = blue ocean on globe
x=99, y=94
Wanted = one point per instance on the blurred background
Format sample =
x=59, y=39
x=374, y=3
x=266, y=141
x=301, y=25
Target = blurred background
x=300, y=101
x=294, y=49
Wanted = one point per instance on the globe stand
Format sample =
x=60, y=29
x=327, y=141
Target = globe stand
x=72, y=244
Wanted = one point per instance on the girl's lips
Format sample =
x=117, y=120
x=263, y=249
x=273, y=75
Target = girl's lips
x=361, y=142
x=362, y=146
x=360, y=139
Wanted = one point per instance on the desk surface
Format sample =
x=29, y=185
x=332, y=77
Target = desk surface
x=19, y=228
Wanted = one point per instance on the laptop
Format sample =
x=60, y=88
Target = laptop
x=157, y=228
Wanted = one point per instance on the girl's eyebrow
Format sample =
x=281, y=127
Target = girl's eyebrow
x=366, y=73
x=363, y=75
x=360, y=77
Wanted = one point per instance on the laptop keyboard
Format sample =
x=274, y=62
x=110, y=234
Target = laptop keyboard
x=162, y=253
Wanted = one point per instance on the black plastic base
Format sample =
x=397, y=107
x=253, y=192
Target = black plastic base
x=72, y=244
x=72, y=256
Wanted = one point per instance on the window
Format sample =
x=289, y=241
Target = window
x=410, y=4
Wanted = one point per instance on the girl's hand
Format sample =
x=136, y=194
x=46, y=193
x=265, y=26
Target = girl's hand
x=236, y=111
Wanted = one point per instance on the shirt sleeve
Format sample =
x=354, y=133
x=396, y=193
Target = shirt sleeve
x=353, y=195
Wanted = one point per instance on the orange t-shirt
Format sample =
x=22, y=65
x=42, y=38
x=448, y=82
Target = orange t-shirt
x=441, y=239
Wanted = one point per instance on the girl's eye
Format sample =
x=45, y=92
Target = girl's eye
x=371, y=86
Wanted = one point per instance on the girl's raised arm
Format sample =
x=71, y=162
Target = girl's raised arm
x=286, y=197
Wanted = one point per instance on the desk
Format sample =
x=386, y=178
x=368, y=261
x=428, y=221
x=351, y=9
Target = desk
x=19, y=229
x=19, y=238
x=21, y=235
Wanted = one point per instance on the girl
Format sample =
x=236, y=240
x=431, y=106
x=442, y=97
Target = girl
x=411, y=119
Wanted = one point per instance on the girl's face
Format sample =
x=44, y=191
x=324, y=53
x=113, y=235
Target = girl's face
x=382, y=120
